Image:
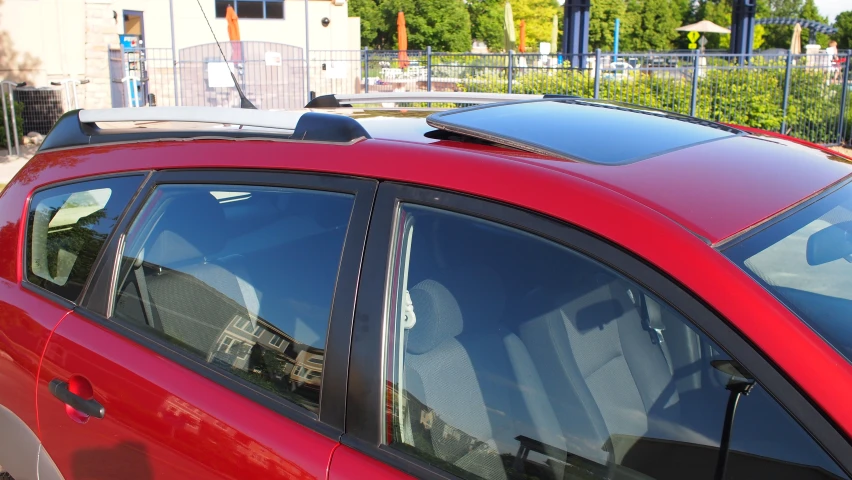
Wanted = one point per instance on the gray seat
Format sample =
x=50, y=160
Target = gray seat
x=472, y=395
x=192, y=297
x=603, y=361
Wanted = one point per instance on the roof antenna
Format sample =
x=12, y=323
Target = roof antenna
x=244, y=102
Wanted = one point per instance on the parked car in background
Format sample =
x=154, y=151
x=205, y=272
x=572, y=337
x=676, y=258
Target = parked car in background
x=529, y=287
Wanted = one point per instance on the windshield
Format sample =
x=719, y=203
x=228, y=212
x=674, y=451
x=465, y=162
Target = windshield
x=805, y=260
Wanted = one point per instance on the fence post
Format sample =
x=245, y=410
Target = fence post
x=511, y=61
x=694, y=100
x=787, y=92
x=366, y=70
x=843, y=98
x=597, y=73
x=5, y=118
x=428, y=69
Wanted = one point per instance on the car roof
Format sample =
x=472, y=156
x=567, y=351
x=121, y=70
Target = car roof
x=714, y=180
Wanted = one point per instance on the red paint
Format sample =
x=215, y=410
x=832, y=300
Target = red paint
x=38, y=370
x=162, y=420
x=187, y=426
x=349, y=464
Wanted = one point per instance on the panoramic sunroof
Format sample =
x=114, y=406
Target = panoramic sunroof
x=583, y=130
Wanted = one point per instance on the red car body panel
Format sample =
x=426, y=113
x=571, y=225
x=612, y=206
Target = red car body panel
x=178, y=424
x=650, y=223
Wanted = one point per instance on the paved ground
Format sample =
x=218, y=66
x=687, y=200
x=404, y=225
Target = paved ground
x=10, y=164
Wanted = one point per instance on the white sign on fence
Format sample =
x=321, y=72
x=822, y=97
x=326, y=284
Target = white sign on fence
x=219, y=75
x=273, y=59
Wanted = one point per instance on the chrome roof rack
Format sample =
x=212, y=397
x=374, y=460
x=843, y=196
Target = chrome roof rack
x=468, y=98
x=80, y=127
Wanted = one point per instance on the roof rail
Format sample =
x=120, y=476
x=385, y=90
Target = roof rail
x=80, y=127
x=347, y=100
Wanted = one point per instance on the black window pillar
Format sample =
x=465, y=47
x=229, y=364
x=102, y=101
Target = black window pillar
x=575, y=31
x=742, y=26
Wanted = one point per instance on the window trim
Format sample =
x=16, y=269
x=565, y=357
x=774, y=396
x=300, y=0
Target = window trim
x=144, y=177
x=264, y=2
x=95, y=305
x=365, y=400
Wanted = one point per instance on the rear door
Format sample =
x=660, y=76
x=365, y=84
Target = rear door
x=213, y=339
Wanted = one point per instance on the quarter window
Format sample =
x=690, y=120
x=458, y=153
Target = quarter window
x=511, y=356
x=245, y=286
x=68, y=226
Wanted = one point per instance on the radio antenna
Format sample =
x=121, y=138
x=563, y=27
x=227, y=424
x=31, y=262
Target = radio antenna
x=244, y=101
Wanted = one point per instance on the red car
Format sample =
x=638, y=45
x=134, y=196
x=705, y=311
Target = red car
x=546, y=288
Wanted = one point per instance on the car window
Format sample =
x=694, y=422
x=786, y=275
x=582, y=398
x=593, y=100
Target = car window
x=67, y=227
x=242, y=278
x=511, y=356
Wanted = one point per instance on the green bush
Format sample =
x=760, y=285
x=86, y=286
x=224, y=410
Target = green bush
x=19, y=120
x=753, y=97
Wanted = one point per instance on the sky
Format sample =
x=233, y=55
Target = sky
x=830, y=8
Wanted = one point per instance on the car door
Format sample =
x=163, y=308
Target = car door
x=213, y=338
x=491, y=342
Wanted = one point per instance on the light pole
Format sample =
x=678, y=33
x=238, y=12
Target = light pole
x=307, y=57
x=174, y=52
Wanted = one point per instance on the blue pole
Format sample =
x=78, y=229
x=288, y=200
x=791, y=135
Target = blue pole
x=615, y=47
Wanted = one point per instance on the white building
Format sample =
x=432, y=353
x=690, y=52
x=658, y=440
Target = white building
x=46, y=40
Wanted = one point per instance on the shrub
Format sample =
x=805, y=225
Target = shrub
x=19, y=121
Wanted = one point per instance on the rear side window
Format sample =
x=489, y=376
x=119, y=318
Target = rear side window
x=240, y=278
x=68, y=226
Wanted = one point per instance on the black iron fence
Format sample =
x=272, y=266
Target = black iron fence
x=806, y=96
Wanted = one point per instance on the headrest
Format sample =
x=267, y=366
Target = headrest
x=438, y=316
x=193, y=226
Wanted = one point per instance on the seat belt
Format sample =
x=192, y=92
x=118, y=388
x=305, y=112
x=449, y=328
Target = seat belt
x=654, y=320
x=145, y=297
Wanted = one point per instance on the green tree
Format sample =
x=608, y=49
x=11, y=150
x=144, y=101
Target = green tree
x=843, y=23
x=811, y=12
x=778, y=36
x=486, y=22
x=371, y=19
x=602, y=23
x=650, y=25
x=538, y=15
x=442, y=24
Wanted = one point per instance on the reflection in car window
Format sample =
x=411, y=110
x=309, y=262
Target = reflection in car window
x=67, y=228
x=242, y=278
x=510, y=356
x=805, y=260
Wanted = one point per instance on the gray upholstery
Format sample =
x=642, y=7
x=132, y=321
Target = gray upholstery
x=439, y=374
x=194, y=298
x=434, y=302
x=605, y=361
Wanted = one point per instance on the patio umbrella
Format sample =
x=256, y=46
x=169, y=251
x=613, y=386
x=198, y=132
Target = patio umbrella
x=402, y=40
x=704, y=26
x=796, y=41
x=233, y=33
x=554, y=33
x=508, y=28
x=522, y=44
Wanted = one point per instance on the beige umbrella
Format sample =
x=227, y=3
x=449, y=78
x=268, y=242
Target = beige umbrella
x=704, y=26
x=796, y=41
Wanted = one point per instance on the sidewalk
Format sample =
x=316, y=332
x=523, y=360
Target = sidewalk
x=10, y=164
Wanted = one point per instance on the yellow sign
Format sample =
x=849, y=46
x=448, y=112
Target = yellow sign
x=693, y=36
x=693, y=46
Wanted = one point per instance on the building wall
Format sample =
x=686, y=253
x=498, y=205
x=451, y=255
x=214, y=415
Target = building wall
x=44, y=40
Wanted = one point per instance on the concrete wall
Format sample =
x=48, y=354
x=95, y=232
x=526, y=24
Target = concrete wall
x=44, y=40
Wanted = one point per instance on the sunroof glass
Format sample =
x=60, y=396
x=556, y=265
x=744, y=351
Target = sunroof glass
x=595, y=133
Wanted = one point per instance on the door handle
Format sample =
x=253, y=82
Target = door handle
x=90, y=407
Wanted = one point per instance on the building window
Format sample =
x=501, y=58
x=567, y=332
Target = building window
x=276, y=340
x=245, y=325
x=252, y=8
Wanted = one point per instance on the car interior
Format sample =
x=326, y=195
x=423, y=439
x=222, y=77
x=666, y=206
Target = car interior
x=524, y=359
x=218, y=271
